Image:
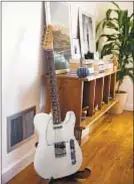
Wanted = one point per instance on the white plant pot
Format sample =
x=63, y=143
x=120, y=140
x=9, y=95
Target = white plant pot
x=119, y=107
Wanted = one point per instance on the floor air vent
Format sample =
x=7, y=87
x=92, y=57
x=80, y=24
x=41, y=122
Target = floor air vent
x=20, y=127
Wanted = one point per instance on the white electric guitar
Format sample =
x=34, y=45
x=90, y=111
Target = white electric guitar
x=58, y=153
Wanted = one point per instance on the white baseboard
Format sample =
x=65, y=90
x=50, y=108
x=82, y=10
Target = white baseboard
x=17, y=167
x=129, y=107
x=85, y=132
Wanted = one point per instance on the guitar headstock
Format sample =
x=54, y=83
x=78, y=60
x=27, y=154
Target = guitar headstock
x=47, y=41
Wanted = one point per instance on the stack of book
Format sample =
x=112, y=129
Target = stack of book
x=98, y=66
x=95, y=66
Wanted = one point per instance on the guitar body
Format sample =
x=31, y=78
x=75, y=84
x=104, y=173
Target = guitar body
x=49, y=164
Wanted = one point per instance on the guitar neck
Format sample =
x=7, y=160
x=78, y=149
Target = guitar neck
x=53, y=88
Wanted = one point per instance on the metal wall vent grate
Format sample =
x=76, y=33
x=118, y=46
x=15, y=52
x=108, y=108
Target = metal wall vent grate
x=20, y=127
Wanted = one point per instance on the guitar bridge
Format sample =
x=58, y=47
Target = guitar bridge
x=73, y=155
x=60, y=149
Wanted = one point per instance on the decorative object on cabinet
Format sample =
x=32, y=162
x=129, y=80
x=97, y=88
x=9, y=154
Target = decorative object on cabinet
x=89, y=55
x=62, y=35
x=87, y=33
x=76, y=49
x=108, y=64
x=83, y=72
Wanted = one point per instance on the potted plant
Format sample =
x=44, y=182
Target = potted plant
x=119, y=43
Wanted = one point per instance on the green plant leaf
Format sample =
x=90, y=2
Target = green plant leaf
x=111, y=25
x=99, y=24
x=107, y=49
x=130, y=69
x=131, y=15
x=120, y=18
x=111, y=39
x=117, y=43
x=108, y=36
x=131, y=75
x=97, y=45
x=120, y=76
x=103, y=25
x=117, y=6
x=105, y=53
x=108, y=13
x=115, y=20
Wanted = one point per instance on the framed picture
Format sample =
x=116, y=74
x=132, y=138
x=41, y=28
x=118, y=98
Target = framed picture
x=76, y=49
x=62, y=33
x=87, y=32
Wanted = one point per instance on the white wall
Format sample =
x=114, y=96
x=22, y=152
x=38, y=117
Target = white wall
x=21, y=71
x=101, y=8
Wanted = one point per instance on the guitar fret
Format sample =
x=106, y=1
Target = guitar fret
x=52, y=75
x=54, y=97
x=52, y=81
x=55, y=108
x=53, y=89
x=54, y=103
x=56, y=115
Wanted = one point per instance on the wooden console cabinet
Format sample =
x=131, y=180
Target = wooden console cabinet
x=75, y=94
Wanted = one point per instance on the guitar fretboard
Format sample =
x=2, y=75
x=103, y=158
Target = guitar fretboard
x=53, y=88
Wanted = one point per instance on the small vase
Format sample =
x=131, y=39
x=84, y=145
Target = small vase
x=83, y=72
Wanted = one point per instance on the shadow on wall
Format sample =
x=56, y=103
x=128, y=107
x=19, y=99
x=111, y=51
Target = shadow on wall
x=36, y=91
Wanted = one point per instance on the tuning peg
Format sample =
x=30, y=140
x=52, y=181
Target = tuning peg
x=42, y=41
x=42, y=37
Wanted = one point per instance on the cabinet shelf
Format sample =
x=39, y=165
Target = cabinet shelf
x=78, y=94
x=91, y=119
x=85, y=108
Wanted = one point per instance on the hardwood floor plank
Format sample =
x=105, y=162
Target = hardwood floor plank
x=108, y=152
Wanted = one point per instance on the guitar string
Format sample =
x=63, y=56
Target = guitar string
x=56, y=133
x=51, y=56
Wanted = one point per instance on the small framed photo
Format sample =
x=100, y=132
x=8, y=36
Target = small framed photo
x=76, y=49
x=87, y=33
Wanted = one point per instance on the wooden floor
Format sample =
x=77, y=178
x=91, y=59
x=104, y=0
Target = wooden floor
x=108, y=153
